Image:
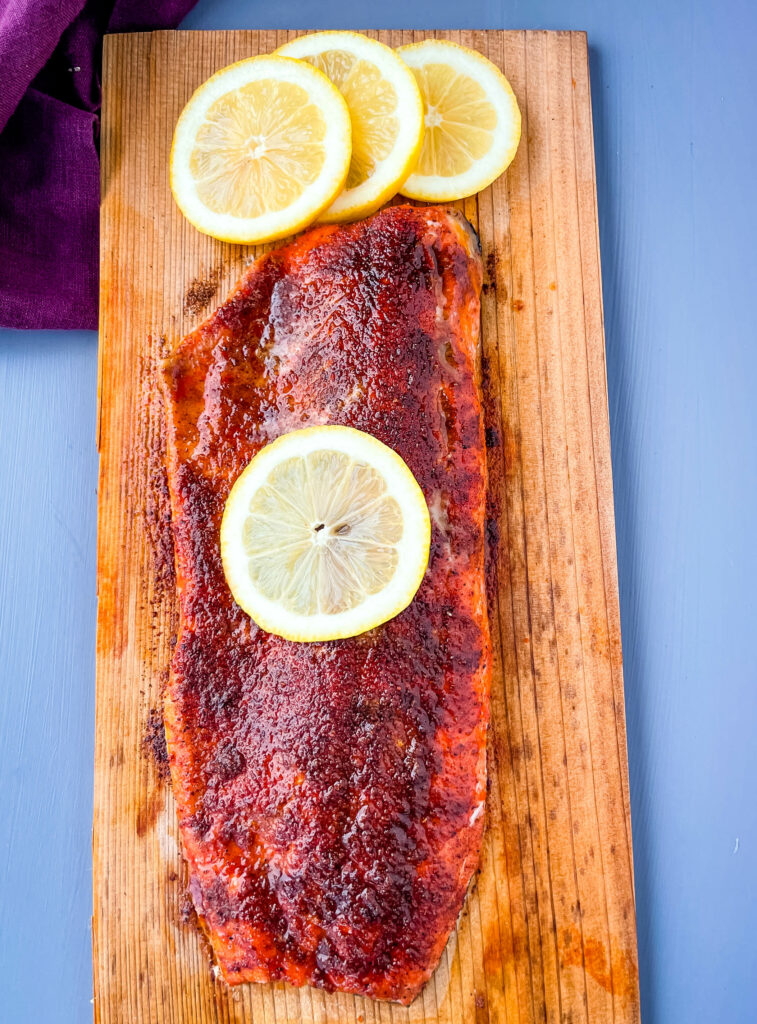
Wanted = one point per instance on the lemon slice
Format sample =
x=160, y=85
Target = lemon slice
x=386, y=110
x=325, y=535
x=472, y=121
x=260, y=150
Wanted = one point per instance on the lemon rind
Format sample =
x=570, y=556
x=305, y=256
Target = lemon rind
x=413, y=548
x=317, y=197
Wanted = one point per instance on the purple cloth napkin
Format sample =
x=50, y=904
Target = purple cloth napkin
x=50, y=53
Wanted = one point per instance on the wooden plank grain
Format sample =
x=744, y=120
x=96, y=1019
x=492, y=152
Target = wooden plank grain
x=548, y=929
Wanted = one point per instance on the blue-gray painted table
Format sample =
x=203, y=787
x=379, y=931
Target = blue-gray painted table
x=673, y=87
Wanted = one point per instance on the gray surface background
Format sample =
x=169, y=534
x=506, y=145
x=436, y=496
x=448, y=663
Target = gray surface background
x=674, y=86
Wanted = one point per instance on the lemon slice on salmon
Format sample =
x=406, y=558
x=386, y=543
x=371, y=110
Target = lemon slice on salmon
x=260, y=150
x=325, y=535
x=472, y=121
x=386, y=110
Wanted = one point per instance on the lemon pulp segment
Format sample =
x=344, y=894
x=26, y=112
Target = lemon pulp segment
x=257, y=148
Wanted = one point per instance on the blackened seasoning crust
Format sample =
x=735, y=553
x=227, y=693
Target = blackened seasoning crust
x=331, y=794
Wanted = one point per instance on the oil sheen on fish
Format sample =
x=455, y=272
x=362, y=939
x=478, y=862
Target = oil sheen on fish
x=331, y=795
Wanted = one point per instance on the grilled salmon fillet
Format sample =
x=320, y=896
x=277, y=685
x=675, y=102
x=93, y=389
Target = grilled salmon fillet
x=331, y=795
